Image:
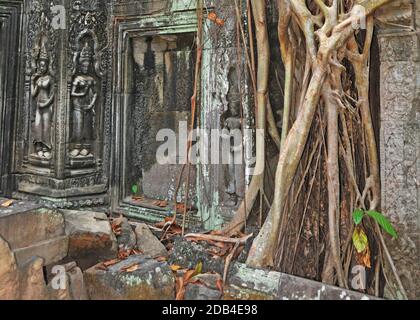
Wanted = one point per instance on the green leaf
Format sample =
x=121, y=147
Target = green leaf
x=134, y=189
x=383, y=222
x=358, y=216
x=360, y=240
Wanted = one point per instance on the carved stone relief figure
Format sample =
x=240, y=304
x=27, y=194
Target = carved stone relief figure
x=232, y=136
x=84, y=97
x=42, y=91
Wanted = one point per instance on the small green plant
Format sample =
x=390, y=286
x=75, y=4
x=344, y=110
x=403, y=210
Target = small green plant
x=134, y=189
x=360, y=238
x=359, y=214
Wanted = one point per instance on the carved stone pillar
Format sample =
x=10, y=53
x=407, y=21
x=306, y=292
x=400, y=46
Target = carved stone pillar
x=400, y=140
x=225, y=109
x=63, y=153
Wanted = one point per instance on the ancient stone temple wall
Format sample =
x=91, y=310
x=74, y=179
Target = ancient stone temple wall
x=62, y=147
x=400, y=135
x=81, y=104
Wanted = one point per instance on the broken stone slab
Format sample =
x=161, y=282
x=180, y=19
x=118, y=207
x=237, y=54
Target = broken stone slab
x=247, y=283
x=91, y=239
x=295, y=288
x=25, y=223
x=251, y=284
x=148, y=243
x=32, y=231
x=200, y=292
x=152, y=280
x=9, y=277
x=20, y=282
x=127, y=240
x=31, y=280
x=51, y=251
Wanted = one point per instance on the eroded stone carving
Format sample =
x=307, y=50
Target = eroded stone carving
x=42, y=91
x=84, y=97
x=87, y=58
x=41, y=77
x=232, y=135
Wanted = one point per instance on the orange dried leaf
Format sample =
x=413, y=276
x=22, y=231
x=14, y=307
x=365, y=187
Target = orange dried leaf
x=175, y=267
x=111, y=262
x=219, y=285
x=180, y=288
x=131, y=268
x=188, y=275
x=220, y=22
x=212, y=16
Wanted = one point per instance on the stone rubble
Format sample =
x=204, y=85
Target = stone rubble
x=148, y=244
x=152, y=280
x=92, y=246
x=127, y=239
x=91, y=239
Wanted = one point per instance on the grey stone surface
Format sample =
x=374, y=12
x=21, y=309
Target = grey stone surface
x=188, y=254
x=294, y=288
x=201, y=292
x=148, y=244
x=400, y=152
x=208, y=279
x=91, y=239
x=152, y=280
x=127, y=239
x=249, y=284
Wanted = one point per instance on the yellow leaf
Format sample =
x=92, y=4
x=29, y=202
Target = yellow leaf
x=7, y=203
x=198, y=268
x=360, y=240
x=175, y=267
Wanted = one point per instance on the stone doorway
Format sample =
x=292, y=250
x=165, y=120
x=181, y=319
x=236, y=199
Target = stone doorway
x=156, y=79
x=9, y=64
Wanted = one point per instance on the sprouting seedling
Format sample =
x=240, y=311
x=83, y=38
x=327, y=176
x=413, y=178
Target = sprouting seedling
x=134, y=189
x=385, y=224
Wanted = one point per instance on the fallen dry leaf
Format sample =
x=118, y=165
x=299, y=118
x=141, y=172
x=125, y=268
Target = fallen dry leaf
x=219, y=285
x=101, y=267
x=161, y=259
x=131, y=268
x=7, y=203
x=364, y=259
x=212, y=16
x=175, y=267
x=111, y=262
x=220, y=22
x=125, y=253
x=160, y=203
x=180, y=288
x=188, y=275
